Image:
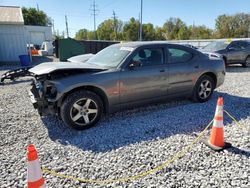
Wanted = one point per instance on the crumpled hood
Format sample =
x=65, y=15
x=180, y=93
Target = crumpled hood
x=46, y=68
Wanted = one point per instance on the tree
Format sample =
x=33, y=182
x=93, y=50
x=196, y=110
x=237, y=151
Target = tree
x=91, y=35
x=110, y=30
x=105, y=30
x=159, y=33
x=232, y=26
x=148, y=32
x=32, y=16
x=183, y=33
x=82, y=34
x=131, y=30
x=172, y=27
x=200, y=32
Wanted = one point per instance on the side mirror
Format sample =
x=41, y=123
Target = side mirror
x=131, y=66
x=230, y=48
x=134, y=64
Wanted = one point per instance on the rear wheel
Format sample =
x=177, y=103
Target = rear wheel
x=82, y=109
x=247, y=62
x=203, y=89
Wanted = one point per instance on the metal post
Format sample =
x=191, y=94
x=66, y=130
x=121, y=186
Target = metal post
x=141, y=21
x=115, y=26
x=67, y=29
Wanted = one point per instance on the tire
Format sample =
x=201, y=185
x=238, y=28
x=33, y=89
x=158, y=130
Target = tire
x=204, y=95
x=82, y=109
x=247, y=62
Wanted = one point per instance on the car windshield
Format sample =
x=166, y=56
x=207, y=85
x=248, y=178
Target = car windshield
x=215, y=46
x=111, y=56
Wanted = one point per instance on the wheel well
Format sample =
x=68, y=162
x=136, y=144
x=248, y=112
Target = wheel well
x=212, y=75
x=94, y=89
x=247, y=56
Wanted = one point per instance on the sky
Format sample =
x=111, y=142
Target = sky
x=198, y=12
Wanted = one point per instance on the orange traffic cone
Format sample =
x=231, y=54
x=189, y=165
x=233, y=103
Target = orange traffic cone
x=216, y=141
x=35, y=178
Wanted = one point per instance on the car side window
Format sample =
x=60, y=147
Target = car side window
x=243, y=45
x=235, y=46
x=179, y=55
x=149, y=57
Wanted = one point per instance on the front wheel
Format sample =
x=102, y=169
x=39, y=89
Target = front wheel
x=82, y=109
x=203, y=89
x=247, y=62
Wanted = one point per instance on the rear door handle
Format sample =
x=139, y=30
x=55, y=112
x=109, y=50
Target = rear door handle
x=196, y=67
x=162, y=70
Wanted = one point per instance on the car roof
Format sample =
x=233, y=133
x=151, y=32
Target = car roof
x=154, y=44
x=248, y=41
x=143, y=43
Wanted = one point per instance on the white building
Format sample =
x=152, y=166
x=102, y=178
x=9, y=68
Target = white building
x=38, y=34
x=14, y=35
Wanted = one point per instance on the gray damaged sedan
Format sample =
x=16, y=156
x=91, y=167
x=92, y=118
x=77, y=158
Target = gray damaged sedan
x=123, y=76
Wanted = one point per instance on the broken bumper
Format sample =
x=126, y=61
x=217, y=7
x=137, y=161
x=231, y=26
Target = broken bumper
x=40, y=103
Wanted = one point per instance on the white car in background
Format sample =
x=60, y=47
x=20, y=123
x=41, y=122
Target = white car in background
x=80, y=58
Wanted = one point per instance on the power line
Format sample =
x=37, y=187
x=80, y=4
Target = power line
x=115, y=24
x=93, y=8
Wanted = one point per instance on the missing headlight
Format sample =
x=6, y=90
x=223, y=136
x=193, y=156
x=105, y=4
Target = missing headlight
x=51, y=91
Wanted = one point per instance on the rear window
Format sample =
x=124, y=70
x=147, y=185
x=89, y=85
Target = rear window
x=178, y=55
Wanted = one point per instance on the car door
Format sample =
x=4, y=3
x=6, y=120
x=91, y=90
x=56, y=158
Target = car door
x=235, y=53
x=245, y=47
x=183, y=67
x=145, y=76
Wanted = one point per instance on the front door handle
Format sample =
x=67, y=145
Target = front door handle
x=162, y=70
x=196, y=66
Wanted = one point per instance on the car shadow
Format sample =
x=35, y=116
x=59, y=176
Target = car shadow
x=239, y=151
x=147, y=123
x=237, y=69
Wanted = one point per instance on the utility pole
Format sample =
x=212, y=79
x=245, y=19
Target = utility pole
x=53, y=26
x=93, y=8
x=115, y=24
x=67, y=29
x=37, y=7
x=141, y=21
x=248, y=34
x=139, y=28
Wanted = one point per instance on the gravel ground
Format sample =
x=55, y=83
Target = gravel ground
x=129, y=142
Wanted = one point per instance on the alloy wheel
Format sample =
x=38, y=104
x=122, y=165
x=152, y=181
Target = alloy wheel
x=84, y=111
x=205, y=89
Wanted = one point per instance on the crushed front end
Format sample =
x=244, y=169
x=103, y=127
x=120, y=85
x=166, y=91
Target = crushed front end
x=42, y=95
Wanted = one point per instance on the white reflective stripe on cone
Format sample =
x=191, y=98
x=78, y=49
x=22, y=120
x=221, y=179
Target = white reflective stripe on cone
x=219, y=111
x=218, y=124
x=34, y=171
